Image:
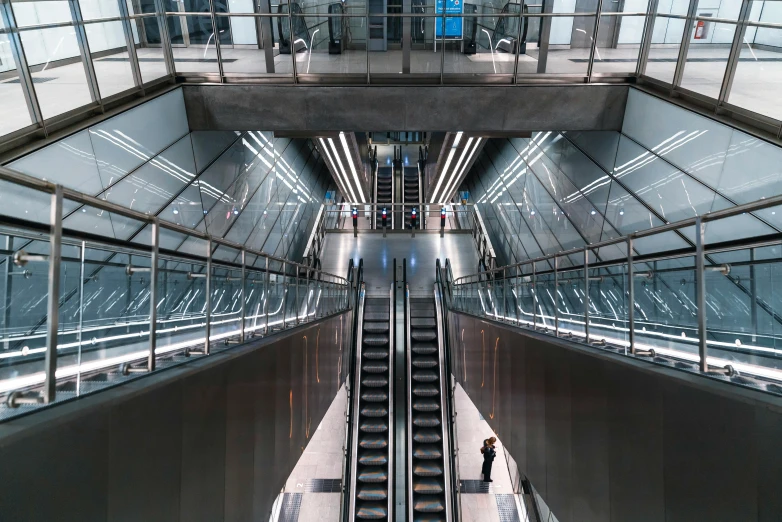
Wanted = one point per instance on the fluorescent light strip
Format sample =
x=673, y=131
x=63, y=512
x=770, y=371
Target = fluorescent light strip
x=334, y=170
x=342, y=169
x=456, y=168
x=442, y=176
x=352, y=167
x=464, y=167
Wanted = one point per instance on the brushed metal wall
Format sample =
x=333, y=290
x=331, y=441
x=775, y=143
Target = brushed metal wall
x=604, y=438
x=213, y=440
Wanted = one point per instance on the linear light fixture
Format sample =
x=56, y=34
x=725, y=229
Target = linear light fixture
x=455, y=177
x=352, y=166
x=334, y=169
x=447, y=164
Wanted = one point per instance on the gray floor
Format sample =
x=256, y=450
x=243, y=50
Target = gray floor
x=379, y=253
x=61, y=89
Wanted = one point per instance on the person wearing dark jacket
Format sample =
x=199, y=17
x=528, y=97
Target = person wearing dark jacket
x=489, y=453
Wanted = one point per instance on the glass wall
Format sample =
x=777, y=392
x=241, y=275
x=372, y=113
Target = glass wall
x=60, y=56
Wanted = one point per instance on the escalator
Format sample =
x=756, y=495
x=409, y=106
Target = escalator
x=428, y=464
x=372, y=446
x=384, y=192
x=412, y=194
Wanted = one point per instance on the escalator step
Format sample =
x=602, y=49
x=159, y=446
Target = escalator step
x=424, y=376
x=374, y=381
x=428, y=505
x=422, y=322
x=374, y=367
x=373, y=458
x=422, y=312
x=372, y=511
x=426, y=421
x=424, y=348
x=374, y=396
x=376, y=327
x=379, y=426
x=425, y=390
x=428, y=517
x=373, y=476
x=423, y=361
x=374, y=354
x=374, y=411
x=372, y=492
x=376, y=340
x=427, y=469
x=425, y=436
x=428, y=451
x=375, y=316
x=423, y=335
x=373, y=442
x=428, y=486
x=426, y=405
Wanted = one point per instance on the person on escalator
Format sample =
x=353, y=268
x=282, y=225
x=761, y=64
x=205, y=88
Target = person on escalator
x=489, y=453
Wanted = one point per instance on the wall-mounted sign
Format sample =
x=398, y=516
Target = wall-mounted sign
x=453, y=26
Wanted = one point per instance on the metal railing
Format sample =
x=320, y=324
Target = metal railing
x=218, y=285
x=590, y=294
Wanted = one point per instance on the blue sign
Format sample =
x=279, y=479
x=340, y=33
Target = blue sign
x=453, y=26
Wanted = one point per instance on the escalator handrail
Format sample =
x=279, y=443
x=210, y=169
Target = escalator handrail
x=409, y=362
x=354, y=406
x=443, y=276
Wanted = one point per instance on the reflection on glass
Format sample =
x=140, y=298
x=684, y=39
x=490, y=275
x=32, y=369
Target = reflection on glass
x=570, y=42
x=664, y=48
x=41, y=12
x=489, y=47
x=707, y=57
x=193, y=44
x=110, y=57
x=618, y=44
x=13, y=109
x=58, y=74
x=757, y=82
x=149, y=49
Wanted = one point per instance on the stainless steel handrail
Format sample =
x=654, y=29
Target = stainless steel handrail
x=391, y=427
x=355, y=400
x=445, y=386
x=409, y=358
x=24, y=180
x=684, y=223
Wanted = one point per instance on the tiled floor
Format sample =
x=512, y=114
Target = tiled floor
x=471, y=431
x=322, y=459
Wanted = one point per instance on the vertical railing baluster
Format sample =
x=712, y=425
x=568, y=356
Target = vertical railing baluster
x=208, y=295
x=153, y=271
x=53, y=305
x=700, y=290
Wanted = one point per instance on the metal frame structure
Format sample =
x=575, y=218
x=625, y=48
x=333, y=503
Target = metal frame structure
x=700, y=251
x=43, y=125
x=55, y=233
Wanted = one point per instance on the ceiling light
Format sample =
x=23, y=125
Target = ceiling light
x=352, y=167
x=442, y=176
x=336, y=173
x=464, y=165
x=446, y=189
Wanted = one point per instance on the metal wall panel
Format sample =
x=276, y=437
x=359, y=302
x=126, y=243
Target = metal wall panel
x=42, y=482
x=213, y=440
x=203, y=446
x=635, y=413
x=145, y=456
x=604, y=437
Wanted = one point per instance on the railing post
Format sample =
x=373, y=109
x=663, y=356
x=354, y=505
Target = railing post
x=297, y=308
x=266, y=281
x=284, y=292
x=307, y=298
x=53, y=312
x=630, y=295
x=208, y=295
x=506, y=316
x=700, y=290
x=153, y=272
x=586, y=294
x=80, y=328
x=534, y=299
x=556, y=296
x=244, y=297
